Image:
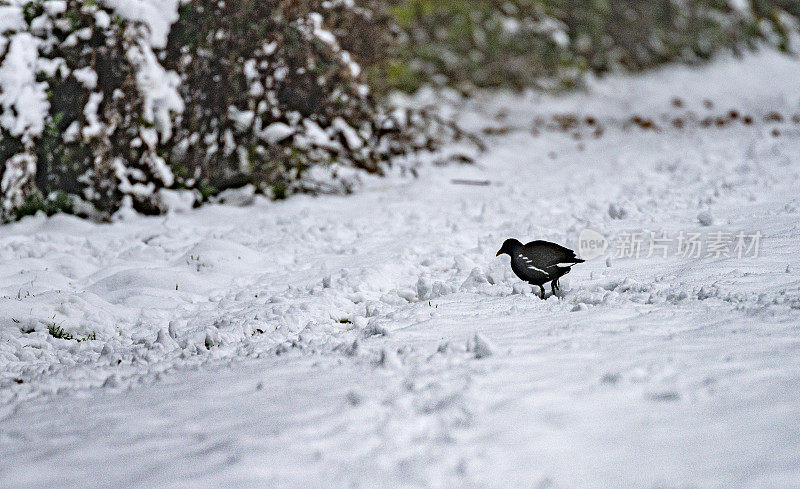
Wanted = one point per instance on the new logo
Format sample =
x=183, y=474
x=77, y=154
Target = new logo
x=591, y=244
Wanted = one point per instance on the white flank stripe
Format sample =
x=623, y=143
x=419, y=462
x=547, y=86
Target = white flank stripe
x=531, y=267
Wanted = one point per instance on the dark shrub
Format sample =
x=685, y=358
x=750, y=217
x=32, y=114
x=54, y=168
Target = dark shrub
x=550, y=43
x=271, y=91
x=100, y=133
x=261, y=93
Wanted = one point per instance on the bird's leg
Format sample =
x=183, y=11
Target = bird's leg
x=553, y=287
x=558, y=287
x=541, y=294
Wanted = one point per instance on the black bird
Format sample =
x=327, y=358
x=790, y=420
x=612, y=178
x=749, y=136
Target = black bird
x=539, y=262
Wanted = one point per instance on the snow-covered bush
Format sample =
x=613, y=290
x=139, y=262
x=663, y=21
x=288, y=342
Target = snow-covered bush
x=271, y=92
x=551, y=43
x=146, y=104
x=478, y=43
x=113, y=105
x=632, y=35
x=86, y=107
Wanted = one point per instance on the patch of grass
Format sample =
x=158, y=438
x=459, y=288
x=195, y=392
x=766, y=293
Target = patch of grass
x=206, y=189
x=31, y=206
x=60, y=202
x=279, y=191
x=57, y=331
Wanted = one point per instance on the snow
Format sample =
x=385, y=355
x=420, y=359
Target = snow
x=23, y=101
x=160, y=169
x=317, y=135
x=86, y=77
x=481, y=346
x=54, y=7
x=17, y=175
x=323, y=35
x=237, y=196
x=351, y=137
x=176, y=200
x=157, y=15
x=705, y=219
x=94, y=127
x=159, y=89
x=275, y=132
x=375, y=340
x=11, y=18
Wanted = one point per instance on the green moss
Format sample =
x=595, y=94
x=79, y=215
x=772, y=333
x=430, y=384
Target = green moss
x=31, y=206
x=58, y=202
x=74, y=16
x=279, y=191
x=180, y=171
x=31, y=10
x=399, y=75
x=206, y=189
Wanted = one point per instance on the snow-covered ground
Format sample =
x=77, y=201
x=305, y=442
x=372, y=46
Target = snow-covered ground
x=375, y=340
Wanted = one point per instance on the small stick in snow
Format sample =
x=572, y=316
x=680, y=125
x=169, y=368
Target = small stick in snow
x=462, y=181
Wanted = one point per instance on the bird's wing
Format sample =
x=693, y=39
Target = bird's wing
x=551, y=254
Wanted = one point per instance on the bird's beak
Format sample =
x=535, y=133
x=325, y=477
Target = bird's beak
x=498, y=253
